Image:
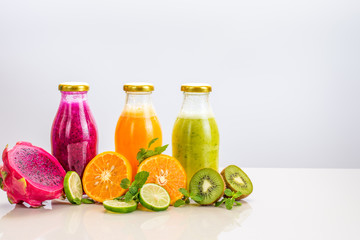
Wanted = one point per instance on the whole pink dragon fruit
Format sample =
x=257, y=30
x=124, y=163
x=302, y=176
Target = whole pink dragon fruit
x=31, y=175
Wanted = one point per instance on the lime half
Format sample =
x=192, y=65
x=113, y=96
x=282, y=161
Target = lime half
x=154, y=197
x=120, y=206
x=73, y=188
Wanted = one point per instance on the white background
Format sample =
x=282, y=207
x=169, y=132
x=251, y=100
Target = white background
x=285, y=74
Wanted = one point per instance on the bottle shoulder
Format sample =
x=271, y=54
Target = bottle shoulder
x=144, y=111
x=196, y=115
x=74, y=117
x=196, y=124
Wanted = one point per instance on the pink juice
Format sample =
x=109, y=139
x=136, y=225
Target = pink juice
x=74, y=132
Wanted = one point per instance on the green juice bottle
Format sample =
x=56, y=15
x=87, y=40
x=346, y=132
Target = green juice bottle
x=195, y=137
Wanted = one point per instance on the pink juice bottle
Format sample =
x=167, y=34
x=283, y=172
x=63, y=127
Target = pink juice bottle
x=74, y=132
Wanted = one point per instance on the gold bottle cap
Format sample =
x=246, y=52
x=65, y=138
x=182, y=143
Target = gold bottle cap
x=74, y=87
x=196, y=87
x=138, y=87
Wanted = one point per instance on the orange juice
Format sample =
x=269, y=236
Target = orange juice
x=137, y=125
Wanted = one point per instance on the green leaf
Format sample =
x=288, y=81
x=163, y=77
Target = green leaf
x=152, y=141
x=140, y=179
x=125, y=183
x=159, y=150
x=87, y=201
x=140, y=155
x=228, y=204
x=1, y=183
x=238, y=203
x=228, y=192
x=184, y=192
x=197, y=198
x=120, y=198
x=179, y=203
x=133, y=190
x=237, y=194
x=220, y=202
x=149, y=153
x=77, y=201
x=136, y=197
x=128, y=197
x=146, y=153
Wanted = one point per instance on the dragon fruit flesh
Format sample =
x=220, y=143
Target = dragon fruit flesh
x=31, y=175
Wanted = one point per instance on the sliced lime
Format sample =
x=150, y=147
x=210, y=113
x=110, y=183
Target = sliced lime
x=120, y=206
x=154, y=197
x=73, y=188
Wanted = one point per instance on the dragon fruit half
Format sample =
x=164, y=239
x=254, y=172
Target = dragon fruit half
x=31, y=175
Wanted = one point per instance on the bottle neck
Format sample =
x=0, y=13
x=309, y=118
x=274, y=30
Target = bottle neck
x=138, y=98
x=73, y=97
x=196, y=105
x=139, y=103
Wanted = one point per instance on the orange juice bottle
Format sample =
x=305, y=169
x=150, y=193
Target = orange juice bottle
x=137, y=124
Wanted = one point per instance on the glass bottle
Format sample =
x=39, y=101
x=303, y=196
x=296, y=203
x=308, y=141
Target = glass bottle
x=195, y=137
x=137, y=124
x=74, y=133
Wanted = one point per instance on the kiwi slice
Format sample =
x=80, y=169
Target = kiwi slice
x=208, y=184
x=237, y=180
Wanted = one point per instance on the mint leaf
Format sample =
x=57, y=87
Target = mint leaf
x=77, y=201
x=125, y=183
x=152, y=141
x=237, y=194
x=87, y=201
x=196, y=198
x=220, y=202
x=146, y=153
x=179, y=203
x=133, y=190
x=140, y=179
x=228, y=204
x=120, y=198
x=136, y=197
x=238, y=203
x=149, y=153
x=140, y=154
x=184, y=192
x=128, y=197
x=228, y=192
x=160, y=150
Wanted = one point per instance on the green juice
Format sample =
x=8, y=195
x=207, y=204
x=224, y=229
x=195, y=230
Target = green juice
x=195, y=143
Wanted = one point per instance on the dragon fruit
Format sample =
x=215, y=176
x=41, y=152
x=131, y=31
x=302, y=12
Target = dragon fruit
x=31, y=175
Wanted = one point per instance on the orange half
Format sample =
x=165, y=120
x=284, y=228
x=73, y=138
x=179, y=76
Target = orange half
x=167, y=172
x=102, y=176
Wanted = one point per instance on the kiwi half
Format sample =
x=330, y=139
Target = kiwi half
x=207, y=183
x=237, y=180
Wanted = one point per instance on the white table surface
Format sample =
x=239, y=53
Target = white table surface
x=285, y=204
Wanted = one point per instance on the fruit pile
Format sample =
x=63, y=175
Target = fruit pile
x=32, y=175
